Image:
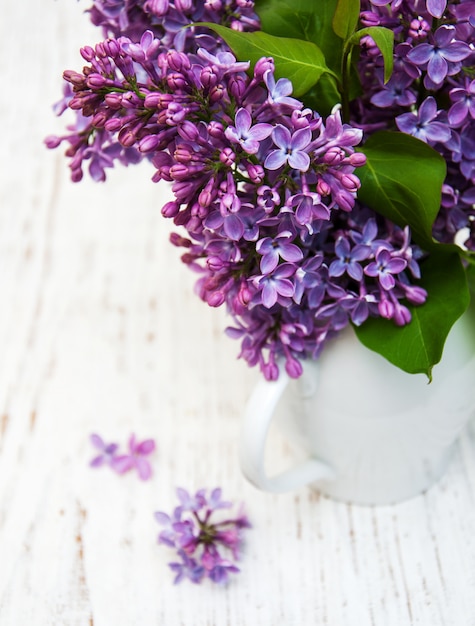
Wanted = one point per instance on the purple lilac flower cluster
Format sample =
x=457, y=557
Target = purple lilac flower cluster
x=206, y=548
x=167, y=24
x=108, y=454
x=264, y=188
x=431, y=94
x=167, y=19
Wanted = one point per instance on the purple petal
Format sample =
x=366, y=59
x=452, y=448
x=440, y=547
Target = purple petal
x=243, y=121
x=457, y=113
x=232, y=134
x=299, y=161
x=420, y=54
x=146, y=447
x=260, y=131
x=436, y=7
x=269, y=261
x=285, y=287
x=443, y=36
x=427, y=110
x=291, y=252
x=97, y=461
x=437, y=68
x=214, y=220
x=162, y=518
x=283, y=87
x=97, y=441
x=301, y=138
x=144, y=468
x=360, y=313
x=406, y=123
x=251, y=146
x=436, y=131
x=284, y=271
x=456, y=51
x=360, y=252
x=281, y=136
x=387, y=281
x=337, y=268
x=132, y=443
x=269, y=294
x=233, y=227
x=275, y=159
x=342, y=247
x=396, y=265
x=304, y=211
x=355, y=271
x=122, y=464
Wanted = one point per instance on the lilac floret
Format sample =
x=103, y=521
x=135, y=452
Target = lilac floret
x=291, y=149
x=424, y=124
x=245, y=134
x=438, y=57
x=107, y=451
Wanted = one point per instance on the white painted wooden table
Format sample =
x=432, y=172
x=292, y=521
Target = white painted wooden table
x=100, y=331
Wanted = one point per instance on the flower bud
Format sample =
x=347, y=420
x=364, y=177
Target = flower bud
x=255, y=172
x=263, y=65
x=227, y=156
x=357, y=159
x=113, y=124
x=215, y=263
x=99, y=119
x=217, y=93
x=149, y=143
x=170, y=209
x=293, y=367
x=157, y=7
x=179, y=241
x=52, y=141
x=323, y=188
x=402, y=315
x=215, y=299
x=87, y=53
x=188, y=131
x=215, y=129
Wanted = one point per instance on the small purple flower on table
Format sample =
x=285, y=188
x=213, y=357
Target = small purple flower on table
x=136, y=458
x=206, y=548
x=107, y=451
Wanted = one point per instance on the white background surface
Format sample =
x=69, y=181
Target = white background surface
x=100, y=331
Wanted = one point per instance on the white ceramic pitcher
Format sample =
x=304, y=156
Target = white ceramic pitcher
x=372, y=434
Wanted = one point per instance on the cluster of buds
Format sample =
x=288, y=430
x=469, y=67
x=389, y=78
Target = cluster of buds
x=207, y=549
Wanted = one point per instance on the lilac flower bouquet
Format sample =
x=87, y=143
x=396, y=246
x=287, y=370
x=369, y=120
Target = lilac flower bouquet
x=321, y=154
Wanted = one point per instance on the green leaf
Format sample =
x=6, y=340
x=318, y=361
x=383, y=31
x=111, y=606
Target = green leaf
x=470, y=269
x=402, y=180
x=302, y=62
x=346, y=18
x=303, y=19
x=384, y=39
x=288, y=18
x=417, y=347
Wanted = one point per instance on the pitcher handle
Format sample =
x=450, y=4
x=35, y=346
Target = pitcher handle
x=257, y=419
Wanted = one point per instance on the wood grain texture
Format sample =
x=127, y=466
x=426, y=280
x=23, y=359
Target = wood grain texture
x=100, y=331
